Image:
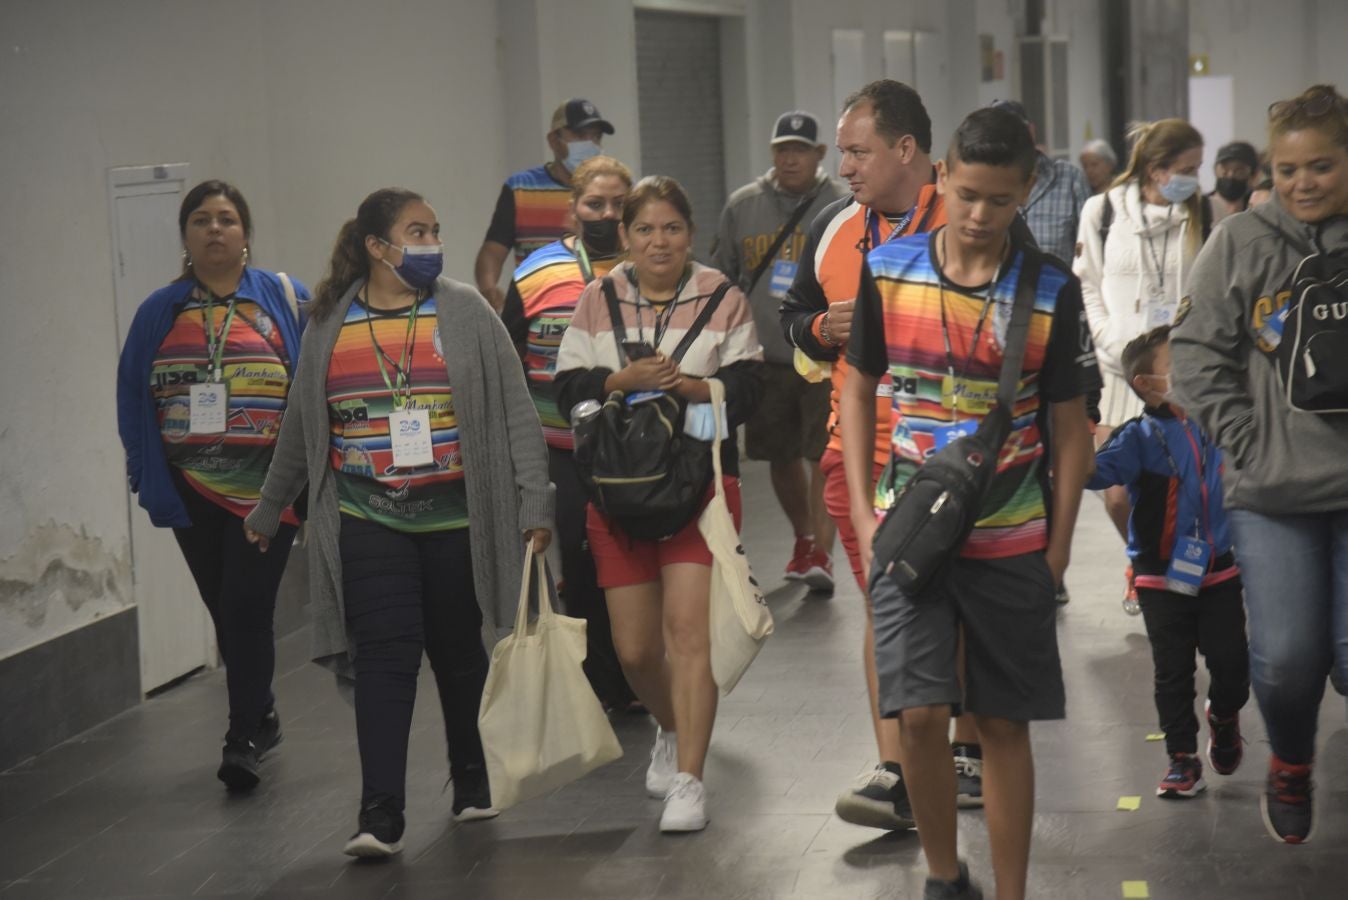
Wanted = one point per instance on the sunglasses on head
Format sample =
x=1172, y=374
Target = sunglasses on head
x=1319, y=104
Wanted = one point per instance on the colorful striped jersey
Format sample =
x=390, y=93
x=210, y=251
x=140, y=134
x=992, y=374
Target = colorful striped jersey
x=898, y=331
x=227, y=468
x=549, y=283
x=533, y=210
x=369, y=486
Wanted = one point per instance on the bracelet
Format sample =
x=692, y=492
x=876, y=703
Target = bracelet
x=825, y=333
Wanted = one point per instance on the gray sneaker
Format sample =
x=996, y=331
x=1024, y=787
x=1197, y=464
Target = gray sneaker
x=968, y=778
x=878, y=799
x=960, y=889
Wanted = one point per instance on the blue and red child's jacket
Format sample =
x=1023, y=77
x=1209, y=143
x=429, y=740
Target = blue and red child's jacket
x=1173, y=474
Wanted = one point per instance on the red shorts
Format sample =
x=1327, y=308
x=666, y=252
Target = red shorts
x=622, y=561
x=839, y=507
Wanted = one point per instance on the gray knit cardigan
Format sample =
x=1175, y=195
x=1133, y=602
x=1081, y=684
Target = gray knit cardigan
x=505, y=462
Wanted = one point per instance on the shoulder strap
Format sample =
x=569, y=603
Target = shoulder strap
x=796, y=215
x=290, y=295
x=701, y=321
x=1205, y=216
x=1018, y=332
x=615, y=315
x=1106, y=220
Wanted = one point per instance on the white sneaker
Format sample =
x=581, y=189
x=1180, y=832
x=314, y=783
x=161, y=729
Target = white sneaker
x=685, y=805
x=664, y=763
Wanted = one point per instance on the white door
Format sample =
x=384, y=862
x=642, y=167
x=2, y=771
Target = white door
x=176, y=636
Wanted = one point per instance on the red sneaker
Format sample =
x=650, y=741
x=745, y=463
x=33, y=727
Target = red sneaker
x=1130, y=604
x=818, y=572
x=800, y=559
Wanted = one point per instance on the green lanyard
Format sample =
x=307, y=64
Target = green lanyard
x=400, y=385
x=586, y=270
x=215, y=341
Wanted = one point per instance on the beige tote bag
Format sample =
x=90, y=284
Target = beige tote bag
x=542, y=725
x=740, y=620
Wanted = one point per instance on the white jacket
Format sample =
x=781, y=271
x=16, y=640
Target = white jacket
x=1117, y=281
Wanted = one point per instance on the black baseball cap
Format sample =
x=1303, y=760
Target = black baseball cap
x=578, y=113
x=1239, y=151
x=796, y=125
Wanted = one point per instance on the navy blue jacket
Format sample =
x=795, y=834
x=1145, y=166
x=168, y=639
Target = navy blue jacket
x=1165, y=507
x=147, y=468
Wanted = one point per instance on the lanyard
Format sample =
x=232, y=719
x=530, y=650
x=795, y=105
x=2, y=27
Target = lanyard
x=215, y=340
x=583, y=258
x=400, y=386
x=1200, y=457
x=661, y=318
x=973, y=341
x=1159, y=264
x=871, y=238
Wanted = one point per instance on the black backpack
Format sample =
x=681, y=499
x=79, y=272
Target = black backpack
x=1312, y=356
x=636, y=463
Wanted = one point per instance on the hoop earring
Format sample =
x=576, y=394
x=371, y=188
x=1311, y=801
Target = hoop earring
x=187, y=258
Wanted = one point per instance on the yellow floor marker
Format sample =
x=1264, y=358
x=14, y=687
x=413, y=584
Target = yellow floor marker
x=1156, y=737
x=1136, y=890
x=1129, y=804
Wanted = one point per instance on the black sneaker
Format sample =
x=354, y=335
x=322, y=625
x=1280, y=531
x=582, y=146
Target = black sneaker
x=379, y=831
x=877, y=800
x=268, y=732
x=1062, y=596
x=472, y=795
x=1184, y=778
x=238, y=766
x=960, y=889
x=1287, y=805
x=1225, y=746
x=968, y=775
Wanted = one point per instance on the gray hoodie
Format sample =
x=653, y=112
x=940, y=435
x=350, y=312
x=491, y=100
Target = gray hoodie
x=1278, y=461
x=752, y=217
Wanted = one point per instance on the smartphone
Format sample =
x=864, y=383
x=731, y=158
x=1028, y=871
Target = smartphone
x=636, y=350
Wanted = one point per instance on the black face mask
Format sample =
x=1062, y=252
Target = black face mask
x=600, y=237
x=1232, y=189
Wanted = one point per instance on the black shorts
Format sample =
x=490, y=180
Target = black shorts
x=1008, y=611
x=791, y=421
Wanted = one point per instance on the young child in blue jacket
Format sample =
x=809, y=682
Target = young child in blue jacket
x=1187, y=581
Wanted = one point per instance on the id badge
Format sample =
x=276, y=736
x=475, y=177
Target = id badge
x=410, y=436
x=1188, y=565
x=1159, y=314
x=965, y=398
x=783, y=274
x=209, y=408
x=944, y=434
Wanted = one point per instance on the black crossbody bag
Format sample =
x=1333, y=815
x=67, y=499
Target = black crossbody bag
x=935, y=512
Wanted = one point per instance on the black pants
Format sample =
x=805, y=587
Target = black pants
x=581, y=594
x=1213, y=623
x=238, y=584
x=405, y=593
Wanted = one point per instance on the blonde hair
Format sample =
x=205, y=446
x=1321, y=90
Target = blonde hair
x=597, y=167
x=1155, y=146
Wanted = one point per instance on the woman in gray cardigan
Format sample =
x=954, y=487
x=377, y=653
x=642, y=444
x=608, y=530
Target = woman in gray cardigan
x=410, y=421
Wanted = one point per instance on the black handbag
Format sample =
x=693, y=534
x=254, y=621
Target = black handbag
x=936, y=510
x=636, y=463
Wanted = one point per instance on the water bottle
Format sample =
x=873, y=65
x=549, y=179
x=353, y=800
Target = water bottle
x=583, y=412
x=583, y=416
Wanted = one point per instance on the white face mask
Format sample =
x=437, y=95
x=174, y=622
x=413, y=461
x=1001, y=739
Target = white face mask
x=1179, y=188
x=579, y=151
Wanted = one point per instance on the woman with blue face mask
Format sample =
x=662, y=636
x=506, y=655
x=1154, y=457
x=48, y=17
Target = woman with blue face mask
x=411, y=422
x=1135, y=246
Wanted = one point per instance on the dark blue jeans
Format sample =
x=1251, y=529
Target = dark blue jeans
x=404, y=593
x=1295, y=570
x=238, y=584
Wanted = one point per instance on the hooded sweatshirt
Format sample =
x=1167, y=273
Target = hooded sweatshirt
x=1278, y=461
x=752, y=217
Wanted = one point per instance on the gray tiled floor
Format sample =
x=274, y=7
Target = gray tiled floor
x=132, y=808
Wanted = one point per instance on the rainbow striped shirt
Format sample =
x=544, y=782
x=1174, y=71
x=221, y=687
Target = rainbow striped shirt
x=369, y=486
x=898, y=330
x=533, y=210
x=549, y=284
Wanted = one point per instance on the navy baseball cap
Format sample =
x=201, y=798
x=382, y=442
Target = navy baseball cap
x=796, y=125
x=579, y=113
x=1239, y=151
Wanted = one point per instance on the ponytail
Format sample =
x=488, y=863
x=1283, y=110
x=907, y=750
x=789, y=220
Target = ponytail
x=1156, y=145
x=350, y=260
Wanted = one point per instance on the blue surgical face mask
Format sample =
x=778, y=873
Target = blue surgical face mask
x=421, y=265
x=1179, y=188
x=579, y=151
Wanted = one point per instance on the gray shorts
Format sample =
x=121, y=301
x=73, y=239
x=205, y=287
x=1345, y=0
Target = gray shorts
x=1008, y=612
